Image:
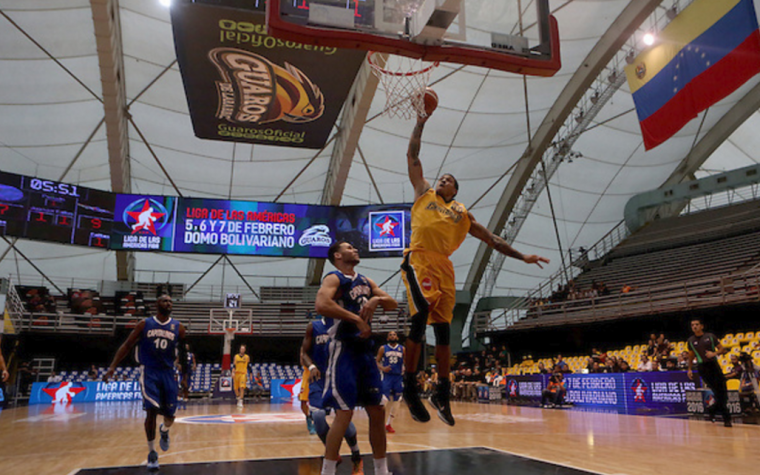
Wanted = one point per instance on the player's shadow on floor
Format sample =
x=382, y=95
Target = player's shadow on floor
x=430, y=462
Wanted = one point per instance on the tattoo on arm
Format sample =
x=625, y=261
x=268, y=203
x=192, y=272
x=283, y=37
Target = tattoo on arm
x=415, y=144
x=501, y=245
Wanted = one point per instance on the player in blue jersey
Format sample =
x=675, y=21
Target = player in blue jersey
x=352, y=378
x=186, y=373
x=314, y=355
x=390, y=360
x=159, y=339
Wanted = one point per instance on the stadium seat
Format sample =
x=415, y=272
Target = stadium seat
x=732, y=384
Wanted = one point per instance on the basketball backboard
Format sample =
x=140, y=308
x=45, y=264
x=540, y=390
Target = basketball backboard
x=487, y=33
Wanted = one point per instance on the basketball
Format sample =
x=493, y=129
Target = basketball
x=431, y=101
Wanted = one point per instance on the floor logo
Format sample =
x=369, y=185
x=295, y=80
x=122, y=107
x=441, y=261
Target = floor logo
x=243, y=418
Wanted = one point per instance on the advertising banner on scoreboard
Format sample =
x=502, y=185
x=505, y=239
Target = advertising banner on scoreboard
x=41, y=209
x=253, y=228
x=245, y=86
x=35, y=208
x=143, y=223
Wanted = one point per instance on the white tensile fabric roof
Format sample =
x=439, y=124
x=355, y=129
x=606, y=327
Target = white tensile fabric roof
x=478, y=132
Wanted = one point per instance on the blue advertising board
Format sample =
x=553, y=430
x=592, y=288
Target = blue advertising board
x=285, y=388
x=92, y=391
x=628, y=393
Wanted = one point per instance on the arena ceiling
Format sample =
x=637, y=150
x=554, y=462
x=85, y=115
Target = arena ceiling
x=57, y=94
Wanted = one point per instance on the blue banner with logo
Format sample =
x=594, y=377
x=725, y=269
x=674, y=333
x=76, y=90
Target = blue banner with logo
x=92, y=391
x=285, y=388
x=628, y=393
x=143, y=223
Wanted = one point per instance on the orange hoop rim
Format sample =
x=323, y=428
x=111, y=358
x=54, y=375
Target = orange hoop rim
x=394, y=73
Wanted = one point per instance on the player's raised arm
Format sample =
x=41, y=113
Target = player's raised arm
x=419, y=182
x=124, y=349
x=500, y=245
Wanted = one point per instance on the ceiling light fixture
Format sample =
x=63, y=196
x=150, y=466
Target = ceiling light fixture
x=649, y=39
x=166, y=3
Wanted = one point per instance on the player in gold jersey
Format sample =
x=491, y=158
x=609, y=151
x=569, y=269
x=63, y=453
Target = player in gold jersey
x=240, y=378
x=439, y=225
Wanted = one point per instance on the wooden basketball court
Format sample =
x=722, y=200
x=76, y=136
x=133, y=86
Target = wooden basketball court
x=109, y=437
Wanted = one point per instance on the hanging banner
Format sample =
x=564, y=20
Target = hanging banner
x=245, y=86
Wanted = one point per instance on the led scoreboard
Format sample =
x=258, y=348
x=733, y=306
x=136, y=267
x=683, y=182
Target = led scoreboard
x=47, y=210
x=51, y=211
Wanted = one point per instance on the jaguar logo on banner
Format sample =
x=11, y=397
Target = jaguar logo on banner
x=243, y=85
x=255, y=91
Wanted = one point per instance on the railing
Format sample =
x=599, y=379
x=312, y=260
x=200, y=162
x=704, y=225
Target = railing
x=730, y=289
x=269, y=324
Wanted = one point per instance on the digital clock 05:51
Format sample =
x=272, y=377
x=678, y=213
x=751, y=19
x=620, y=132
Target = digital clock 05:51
x=54, y=187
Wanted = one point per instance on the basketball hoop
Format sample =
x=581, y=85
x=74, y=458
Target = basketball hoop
x=404, y=83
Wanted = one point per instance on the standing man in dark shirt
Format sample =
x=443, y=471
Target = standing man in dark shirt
x=706, y=348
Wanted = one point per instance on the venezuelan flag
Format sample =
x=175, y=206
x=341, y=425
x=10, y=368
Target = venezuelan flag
x=702, y=56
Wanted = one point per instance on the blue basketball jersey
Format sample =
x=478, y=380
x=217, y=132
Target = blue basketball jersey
x=353, y=292
x=320, y=344
x=394, y=357
x=157, y=348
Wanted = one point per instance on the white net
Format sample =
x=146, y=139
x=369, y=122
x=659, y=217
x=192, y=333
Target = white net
x=404, y=81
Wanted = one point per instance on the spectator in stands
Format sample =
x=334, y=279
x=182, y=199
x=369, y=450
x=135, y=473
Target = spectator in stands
x=652, y=346
x=735, y=371
x=542, y=368
x=627, y=288
x=613, y=366
x=683, y=360
x=550, y=395
x=92, y=375
x=670, y=365
x=663, y=347
x=54, y=378
x=644, y=365
x=590, y=364
x=623, y=366
x=561, y=366
x=258, y=387
x=503, y=357
x=26, y=374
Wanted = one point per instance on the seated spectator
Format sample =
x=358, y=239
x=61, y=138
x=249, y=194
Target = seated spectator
x=683, y=360
x=652, y=345
x=92, y=375
x=735, y=371
x=627, y=288
x=663, y=347
x=603, y=289
x=644, y=365
x=612, y=365
x=595, y=368
x=542, y=368
x=670, y=365
x=656, y=366
x=54, y=378
x=590, y=365
x=623, y=366
x=561, y=366
x=550, y=396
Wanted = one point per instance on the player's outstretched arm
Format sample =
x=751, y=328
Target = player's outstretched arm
x=419, y=182
x=326, y=305
x=500, y=245
x=124, y=349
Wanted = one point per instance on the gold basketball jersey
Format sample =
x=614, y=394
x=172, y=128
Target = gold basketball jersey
x=438, y=226
x=241, y=364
